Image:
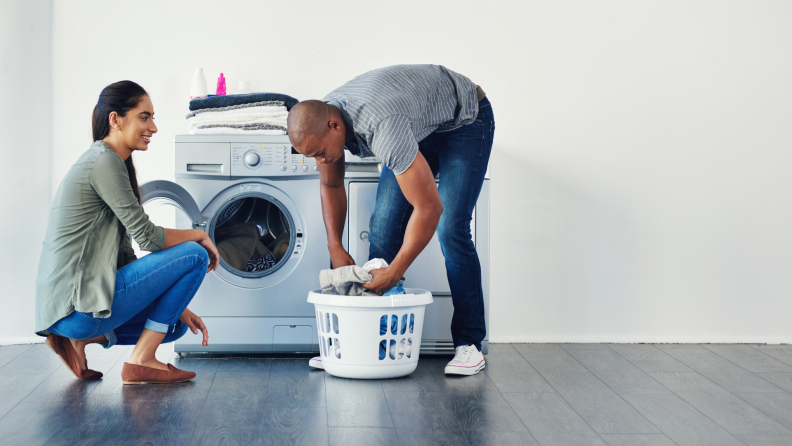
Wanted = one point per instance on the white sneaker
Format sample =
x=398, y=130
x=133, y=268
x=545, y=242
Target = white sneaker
x=468, y=360
x=316, y=363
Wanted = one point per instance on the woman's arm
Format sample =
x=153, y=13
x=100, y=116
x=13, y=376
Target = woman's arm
x=175, y=237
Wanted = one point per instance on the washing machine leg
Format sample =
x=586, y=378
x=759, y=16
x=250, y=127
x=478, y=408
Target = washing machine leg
x=179, y=355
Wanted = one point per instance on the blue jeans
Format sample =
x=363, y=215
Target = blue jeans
x=151, y=292
x=460, y=157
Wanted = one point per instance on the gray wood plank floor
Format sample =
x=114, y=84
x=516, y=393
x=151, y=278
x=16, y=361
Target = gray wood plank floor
x=529, y=394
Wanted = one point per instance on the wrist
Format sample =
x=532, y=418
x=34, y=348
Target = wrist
x=334, y=245
x=395, y=270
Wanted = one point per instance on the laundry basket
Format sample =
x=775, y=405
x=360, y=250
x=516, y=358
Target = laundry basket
x=354, y=330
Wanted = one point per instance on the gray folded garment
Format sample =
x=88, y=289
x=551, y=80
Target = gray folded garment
x=237, y=107
x=345, y=281
x=258, y=126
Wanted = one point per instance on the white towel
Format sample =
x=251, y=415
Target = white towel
x=233, y=131
x=278, y=118
x=267, y=110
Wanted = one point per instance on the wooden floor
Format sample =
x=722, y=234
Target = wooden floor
x=545, y=394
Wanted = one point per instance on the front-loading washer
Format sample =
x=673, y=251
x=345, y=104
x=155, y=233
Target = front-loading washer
x=251, y=194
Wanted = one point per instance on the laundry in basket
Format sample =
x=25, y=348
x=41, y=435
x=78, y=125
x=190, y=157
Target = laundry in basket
x=357, y=322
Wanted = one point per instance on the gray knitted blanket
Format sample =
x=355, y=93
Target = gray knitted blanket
x=244, y=126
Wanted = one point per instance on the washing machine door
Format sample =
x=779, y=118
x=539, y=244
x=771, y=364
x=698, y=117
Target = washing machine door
x=169, y=205
x=259, y=232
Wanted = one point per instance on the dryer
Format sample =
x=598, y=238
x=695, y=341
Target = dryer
x=428, y=271
x=252, y=195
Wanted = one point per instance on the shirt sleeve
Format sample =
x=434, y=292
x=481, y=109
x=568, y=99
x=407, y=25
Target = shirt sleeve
x=394, y=143
x=110, y=180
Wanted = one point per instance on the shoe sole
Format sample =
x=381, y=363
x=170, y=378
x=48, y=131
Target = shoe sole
x=465, y=371
x=319, y=366
x=135, y=383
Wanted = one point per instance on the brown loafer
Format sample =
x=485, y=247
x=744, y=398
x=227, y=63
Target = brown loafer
x=138, y=374
x=62, y=347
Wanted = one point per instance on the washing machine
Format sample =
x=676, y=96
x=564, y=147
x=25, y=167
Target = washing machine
x=428, y=271
x=256, y=196
x=259, y=201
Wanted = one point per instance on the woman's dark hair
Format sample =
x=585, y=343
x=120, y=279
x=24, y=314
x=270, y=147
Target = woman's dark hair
x=119, y=97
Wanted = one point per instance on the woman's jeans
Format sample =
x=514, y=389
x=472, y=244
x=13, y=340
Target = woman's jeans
x=151, y=292
x=460, y=157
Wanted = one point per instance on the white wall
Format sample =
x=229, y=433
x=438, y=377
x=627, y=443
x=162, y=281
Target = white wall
x=24, y=159
x=640, y=171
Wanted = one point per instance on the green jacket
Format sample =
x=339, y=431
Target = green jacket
x=87, y=241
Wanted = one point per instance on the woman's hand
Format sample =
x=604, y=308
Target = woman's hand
x=340, y=257
x=195, y=323
x=211, y=249
x=382, y=280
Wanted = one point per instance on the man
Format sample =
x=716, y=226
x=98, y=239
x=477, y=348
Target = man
x=420, y=121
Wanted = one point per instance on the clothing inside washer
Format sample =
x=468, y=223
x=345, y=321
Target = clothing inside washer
x=252, y=234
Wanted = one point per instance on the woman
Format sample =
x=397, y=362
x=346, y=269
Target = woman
x=90, y=287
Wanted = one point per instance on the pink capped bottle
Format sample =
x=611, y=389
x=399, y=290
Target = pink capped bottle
x=221, y=85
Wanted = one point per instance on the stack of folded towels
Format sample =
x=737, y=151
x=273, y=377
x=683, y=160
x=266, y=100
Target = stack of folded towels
x=240, y=114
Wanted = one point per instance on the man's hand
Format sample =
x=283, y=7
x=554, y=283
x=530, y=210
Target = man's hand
x=340, y=257
x=383, y=279
x=195, y=323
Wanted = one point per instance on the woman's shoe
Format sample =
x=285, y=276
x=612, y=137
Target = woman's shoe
x=138, y=374
x=63, y=348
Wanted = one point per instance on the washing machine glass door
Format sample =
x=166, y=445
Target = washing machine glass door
x=170, y=206
x=259, y=233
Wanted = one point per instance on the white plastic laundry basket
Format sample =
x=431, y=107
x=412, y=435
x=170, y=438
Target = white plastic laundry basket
x=350, y=336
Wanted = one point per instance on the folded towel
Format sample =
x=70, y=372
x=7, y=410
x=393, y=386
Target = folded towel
x=233, y=131
x=237, y=99
x=244, y=126
x=211, y=112
x=256, y=118
x=238, y=107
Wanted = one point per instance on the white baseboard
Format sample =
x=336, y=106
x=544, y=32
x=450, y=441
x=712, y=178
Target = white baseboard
x=641, y=339
x=23, y=340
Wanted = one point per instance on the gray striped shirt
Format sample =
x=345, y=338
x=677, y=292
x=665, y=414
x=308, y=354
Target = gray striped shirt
x=391, y=109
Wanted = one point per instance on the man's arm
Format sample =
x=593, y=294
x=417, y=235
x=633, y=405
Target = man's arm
x=334, y=209
x=418, y=186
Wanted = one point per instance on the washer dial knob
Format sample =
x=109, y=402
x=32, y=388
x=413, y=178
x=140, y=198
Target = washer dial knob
x=252, y=159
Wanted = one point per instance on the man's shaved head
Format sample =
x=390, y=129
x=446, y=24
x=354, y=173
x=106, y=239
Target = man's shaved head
x=308, y=118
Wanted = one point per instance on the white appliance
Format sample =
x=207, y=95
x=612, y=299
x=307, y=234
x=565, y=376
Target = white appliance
x=227, y=180
x=428, y=271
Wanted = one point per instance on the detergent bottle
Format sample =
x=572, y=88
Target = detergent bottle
x=221, y=85
x=198, y=87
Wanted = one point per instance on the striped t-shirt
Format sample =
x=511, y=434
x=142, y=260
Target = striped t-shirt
x=391, y=109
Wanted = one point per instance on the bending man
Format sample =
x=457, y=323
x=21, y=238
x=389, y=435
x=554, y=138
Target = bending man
x=420, y=121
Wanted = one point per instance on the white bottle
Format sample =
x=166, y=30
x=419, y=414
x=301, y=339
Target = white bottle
x=198, y=87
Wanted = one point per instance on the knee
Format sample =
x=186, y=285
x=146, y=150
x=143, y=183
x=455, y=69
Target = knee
x=197, y=251
x=450, y=230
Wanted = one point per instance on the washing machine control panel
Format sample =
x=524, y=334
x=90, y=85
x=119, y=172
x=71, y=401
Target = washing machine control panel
x=270, y=160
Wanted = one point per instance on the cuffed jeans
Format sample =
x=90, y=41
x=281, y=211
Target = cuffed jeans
x=460, y=157
x=151, y=292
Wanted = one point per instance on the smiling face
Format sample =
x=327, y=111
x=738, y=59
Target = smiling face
x=136, y=128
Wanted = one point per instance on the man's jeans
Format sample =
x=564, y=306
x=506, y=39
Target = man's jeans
x=151, y=292
x=460, y=157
